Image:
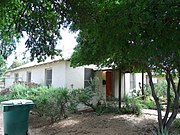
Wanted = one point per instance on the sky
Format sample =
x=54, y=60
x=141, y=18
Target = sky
x=67, y=44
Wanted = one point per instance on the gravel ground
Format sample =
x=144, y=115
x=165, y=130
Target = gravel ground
x=91, y=124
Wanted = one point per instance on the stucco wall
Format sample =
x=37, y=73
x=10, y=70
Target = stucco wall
x=74, y=76
x=116, y=84
x=62, y=75
x=99, y=77
x=58, y=74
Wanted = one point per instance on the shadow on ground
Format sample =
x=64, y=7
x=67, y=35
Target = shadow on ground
x=91, y=124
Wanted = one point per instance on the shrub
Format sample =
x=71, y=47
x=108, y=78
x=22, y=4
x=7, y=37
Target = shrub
x=164, y=132
x=176, y=123
x=148, y=104
x=91, y=96
x=49, y=101
x=131, y=106
x=73, y=100
x=56, y=106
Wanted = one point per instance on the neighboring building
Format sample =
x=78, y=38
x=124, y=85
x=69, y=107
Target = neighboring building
x=58, y=73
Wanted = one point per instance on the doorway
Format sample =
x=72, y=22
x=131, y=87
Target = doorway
x=108, y=84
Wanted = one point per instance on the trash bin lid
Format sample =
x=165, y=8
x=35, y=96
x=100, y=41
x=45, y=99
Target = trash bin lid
x=17, y=102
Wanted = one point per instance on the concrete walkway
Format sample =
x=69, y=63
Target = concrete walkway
x=154, y=112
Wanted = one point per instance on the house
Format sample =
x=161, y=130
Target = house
x=58, y=73
x=113, y=86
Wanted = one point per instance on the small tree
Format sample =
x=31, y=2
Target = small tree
x=134, y=35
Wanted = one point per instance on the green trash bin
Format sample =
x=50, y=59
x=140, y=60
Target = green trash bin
x=15, y=116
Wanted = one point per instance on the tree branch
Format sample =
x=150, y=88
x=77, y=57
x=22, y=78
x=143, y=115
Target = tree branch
x=168, y=99
x=176, y=99
x=156, y=99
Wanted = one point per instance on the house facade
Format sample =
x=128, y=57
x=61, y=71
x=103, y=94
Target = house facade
x=58, y=73
x=108, y=82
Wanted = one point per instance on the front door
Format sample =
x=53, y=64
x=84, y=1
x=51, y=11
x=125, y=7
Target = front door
x=108, y=84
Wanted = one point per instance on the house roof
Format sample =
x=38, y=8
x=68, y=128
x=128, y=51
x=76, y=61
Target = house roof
x=35, y=63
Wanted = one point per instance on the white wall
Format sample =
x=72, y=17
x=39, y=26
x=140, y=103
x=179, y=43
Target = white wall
x=74, y=76
x=8, y=80
x=58, y=74
x=99, y=77
x=116, y=84
x=62, y=75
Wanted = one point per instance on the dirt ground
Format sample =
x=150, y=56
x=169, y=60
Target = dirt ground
x=91, y=124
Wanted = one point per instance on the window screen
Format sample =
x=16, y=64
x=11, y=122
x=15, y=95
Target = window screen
x=48, y=76
x=89, y=74
x=28, y=76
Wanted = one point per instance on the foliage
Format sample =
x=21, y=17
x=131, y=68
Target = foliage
x=148, y=104
x=109, y=107
x=134, y=36
x=176, y=123
x=163, y=131
x=131, y=106
x=91, y=96
x=3, y=66
x=126, y=34
x=49, y=102
x=73, y=101
x=41, y=20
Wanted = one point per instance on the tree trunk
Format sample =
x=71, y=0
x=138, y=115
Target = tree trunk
x=168, y=99
x=156, y=99
x=166, y=122
x=176, y=99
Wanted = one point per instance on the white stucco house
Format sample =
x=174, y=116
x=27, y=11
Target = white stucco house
x=58, y=73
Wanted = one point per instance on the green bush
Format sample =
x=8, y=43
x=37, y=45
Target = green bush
x=131, y=106
x=176, y=123
x=148, y=104
x=162, y=132
x=109, y=107
x=161, y=91
x=73, y=100
x=91, y=96
x=49, y=101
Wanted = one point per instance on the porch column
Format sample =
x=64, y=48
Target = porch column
x=119, y=88
x=143, y=96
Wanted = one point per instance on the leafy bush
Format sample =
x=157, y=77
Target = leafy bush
x=73, y=101
x=160, y=89
x=49, y=101
x=148, y=104
x=131, y=106
x=163, y=131
x=91, y=96
x=109, y=107
x=176, y=123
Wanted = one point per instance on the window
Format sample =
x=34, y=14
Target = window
x=16, y=77
x=132, y=81
x=48, y=77
x=28, y=77
x=87, y=77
